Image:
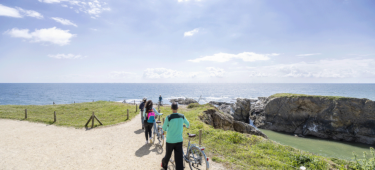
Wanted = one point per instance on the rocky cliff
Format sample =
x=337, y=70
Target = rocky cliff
x=347, y=119
x=226, y=122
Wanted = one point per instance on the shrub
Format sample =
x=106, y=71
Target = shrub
x=192, y=105
x=365, y=164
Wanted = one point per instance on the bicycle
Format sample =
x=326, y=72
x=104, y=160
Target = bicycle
x=159, y=134
x=195, y=156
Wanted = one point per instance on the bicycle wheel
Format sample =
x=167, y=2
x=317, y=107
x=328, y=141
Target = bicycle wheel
x=161, y=137
x=197, y=159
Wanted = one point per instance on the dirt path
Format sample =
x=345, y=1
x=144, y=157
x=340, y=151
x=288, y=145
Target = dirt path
x=25, y=145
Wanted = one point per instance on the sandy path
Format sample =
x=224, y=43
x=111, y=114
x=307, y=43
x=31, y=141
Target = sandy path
x=26, y=145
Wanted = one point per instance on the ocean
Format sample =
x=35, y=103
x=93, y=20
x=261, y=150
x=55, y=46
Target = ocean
x=65, y=93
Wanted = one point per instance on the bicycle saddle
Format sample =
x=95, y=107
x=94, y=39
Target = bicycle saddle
x=158, y=122
x=191, y=135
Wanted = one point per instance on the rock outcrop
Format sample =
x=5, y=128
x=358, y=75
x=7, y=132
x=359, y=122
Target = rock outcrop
x=183, y=101
x=226, y=122
x=347, y=119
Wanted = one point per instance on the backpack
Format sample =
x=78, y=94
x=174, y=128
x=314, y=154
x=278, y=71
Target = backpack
x=150, y=117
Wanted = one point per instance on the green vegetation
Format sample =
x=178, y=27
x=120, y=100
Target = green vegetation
x=192, y=105
x=365, y=164
x=305, y=95
x=235, y=150
x=243, y=151
x=74, y=115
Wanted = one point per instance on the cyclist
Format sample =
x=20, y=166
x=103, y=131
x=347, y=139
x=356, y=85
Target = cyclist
x=149, y=119
x=141, y=107
x=173, y=125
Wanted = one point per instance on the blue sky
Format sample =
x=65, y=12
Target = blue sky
x=187, y=41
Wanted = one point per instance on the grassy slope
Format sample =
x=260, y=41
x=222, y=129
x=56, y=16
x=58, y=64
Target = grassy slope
x=305, y=95
x=243, y=151
x=74, y=115
x=235, y=150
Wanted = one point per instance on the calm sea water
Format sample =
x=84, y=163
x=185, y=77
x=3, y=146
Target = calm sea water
x=62, y=93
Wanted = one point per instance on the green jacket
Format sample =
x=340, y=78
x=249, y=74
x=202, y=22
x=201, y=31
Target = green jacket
x=173, y=125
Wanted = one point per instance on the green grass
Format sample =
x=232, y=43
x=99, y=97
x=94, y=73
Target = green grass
x=305, y=95
x=73, y=115
x=235, y=150
x=242, y=151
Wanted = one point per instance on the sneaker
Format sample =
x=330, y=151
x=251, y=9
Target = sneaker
x=150, y=140
x=146, y=141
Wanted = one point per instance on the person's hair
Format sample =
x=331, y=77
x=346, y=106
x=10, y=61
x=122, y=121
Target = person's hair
x=148, y=105
x=174, y=106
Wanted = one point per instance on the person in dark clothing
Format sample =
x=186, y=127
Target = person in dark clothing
x=173, y=125
x=141, y=107
x=160, y=99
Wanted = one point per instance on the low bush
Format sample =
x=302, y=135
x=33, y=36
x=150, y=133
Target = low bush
x=365, y=163
x=192, y=105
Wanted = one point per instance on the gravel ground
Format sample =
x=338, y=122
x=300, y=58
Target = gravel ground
x=26, y=145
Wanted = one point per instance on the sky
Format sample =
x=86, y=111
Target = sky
x=187, y=41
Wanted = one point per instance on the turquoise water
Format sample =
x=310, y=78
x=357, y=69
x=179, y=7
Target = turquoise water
x=328, y=148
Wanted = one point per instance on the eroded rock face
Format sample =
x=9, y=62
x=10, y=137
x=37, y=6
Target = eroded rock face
x=257, y=112
x=223, y=121
x=242, y=110
x=183, y=101
x=347, y=119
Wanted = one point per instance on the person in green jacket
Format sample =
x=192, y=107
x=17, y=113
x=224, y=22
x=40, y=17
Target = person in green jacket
x=173, y=125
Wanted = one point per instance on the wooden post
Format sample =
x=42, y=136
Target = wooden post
x=98, y=120
x=163, y=120
x=92, y=117
x=134, y=101
x=159, y=116
x=88, y=121
x=128, y=114
x=200, y=137
x=159, y=107
x=136, y=108
x=25, y=113
x=54, y=116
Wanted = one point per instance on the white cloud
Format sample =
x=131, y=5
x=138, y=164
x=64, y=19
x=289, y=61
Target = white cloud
x=216, y=72
x=191, y=33
x=245, y=56
x=121, y=74
x=9, y=12
x=304, y=55
x=344, y=68
x=30, y=13
x=157, y=73
x=64, y=21
x=91, y=7
x=52, y=35
x=66, y=56
x=18, y=12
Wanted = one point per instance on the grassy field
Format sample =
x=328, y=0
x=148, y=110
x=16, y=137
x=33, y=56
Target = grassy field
x=235, y=150
x=305, y=95
x=73, y=115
